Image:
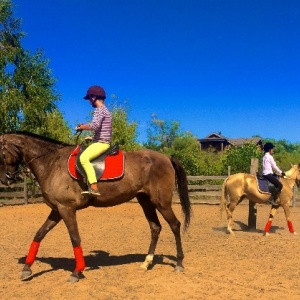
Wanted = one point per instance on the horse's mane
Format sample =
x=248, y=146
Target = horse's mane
x=40, y=137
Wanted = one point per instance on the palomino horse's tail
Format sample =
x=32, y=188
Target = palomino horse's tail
x=182, y=186
x=223, y=200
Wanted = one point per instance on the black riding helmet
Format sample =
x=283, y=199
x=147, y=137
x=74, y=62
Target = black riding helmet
x=95, y=90
x=268, y=147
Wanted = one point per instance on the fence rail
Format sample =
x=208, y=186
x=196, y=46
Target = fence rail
x=20, y=193
x=205, y=193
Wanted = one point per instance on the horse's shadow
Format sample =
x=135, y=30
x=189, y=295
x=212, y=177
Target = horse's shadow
x=245, y=228
x=98, y=259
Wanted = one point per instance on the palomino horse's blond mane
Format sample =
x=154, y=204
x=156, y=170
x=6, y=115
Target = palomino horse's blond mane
x=240, y=186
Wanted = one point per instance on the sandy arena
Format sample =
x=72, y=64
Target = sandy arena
x=115, y=241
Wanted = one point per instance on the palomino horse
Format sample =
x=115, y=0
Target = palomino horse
x=242, y=186
x=149, y=176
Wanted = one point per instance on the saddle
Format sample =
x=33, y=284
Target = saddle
x=264, y=185
x=109, y=165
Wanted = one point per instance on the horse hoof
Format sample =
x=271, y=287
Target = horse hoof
x=266, y=234
x=26, y=274
x=73, y=279
x=143, y=268
x=179, y=269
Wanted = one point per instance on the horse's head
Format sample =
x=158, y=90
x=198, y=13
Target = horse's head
x=9, y=161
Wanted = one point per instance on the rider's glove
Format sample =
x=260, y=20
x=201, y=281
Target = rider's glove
x=282, y=174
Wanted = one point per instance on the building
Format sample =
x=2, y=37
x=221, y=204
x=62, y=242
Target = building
x=219, y=143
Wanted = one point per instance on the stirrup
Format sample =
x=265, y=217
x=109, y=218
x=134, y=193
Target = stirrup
x=91, y=192
x=95, y=192
x=272, y=202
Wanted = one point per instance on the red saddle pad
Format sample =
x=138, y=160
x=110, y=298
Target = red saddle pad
x=114, y=166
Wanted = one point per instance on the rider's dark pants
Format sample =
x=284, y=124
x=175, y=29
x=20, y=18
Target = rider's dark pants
x=273, y=179
x=278, y=186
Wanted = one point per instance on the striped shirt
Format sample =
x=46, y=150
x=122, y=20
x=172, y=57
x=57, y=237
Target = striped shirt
x=101, y=125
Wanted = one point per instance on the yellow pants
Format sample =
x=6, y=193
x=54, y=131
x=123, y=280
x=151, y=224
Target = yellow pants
x=90, y=153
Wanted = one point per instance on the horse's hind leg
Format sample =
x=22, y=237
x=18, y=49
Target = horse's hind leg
x=229, y=210
x=155, y=227
x=270, y=219
x=52, y=220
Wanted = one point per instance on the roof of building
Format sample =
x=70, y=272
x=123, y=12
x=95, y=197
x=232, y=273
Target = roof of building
x=235, y=142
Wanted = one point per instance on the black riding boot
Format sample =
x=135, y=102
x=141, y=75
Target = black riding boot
x=274, y=196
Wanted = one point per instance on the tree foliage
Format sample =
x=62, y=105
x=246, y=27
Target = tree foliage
x=124, y=131
x=161, y=134
x=27, y=88
x=239, y=158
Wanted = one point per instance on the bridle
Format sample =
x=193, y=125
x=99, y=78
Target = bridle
x=11, y=176
x=22, y=169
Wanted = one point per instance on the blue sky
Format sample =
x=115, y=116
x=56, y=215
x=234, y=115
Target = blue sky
x=229, y=66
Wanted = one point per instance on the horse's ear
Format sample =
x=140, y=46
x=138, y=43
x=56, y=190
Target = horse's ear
x=291, y=164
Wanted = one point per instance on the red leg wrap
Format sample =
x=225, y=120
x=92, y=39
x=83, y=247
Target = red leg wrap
x=33, y=250
x=291, y=228
x=80, y=263
x=268, y=226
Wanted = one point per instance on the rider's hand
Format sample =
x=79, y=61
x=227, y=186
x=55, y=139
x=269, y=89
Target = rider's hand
x=282, y=174
x=78, y=128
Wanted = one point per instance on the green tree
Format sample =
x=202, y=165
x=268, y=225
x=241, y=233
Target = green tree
x=161, y=134
x=57, y=128
x=27, y=87
x=124, y=132
x=186, y=149
x=239, y=158
x=196, y=162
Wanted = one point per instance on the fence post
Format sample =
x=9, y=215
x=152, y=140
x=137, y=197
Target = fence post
x=252, y=205
x=25, y=189
x=294, y=196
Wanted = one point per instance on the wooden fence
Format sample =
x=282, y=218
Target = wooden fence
x=202, y=190
x=20, y=193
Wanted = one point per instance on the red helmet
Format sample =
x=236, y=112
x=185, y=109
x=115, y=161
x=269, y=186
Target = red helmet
x=95, y=90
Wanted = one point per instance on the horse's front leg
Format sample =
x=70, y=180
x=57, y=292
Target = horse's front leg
x=287, y=213
x=52, y=220
x=68, y=215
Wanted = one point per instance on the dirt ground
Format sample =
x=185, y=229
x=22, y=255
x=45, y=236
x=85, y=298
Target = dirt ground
x=115, y=241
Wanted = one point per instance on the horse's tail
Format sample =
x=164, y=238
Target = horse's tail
x=182, y=187
x=223, y=200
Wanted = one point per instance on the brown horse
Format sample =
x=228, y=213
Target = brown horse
x=242, y=186
x=149, y=176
